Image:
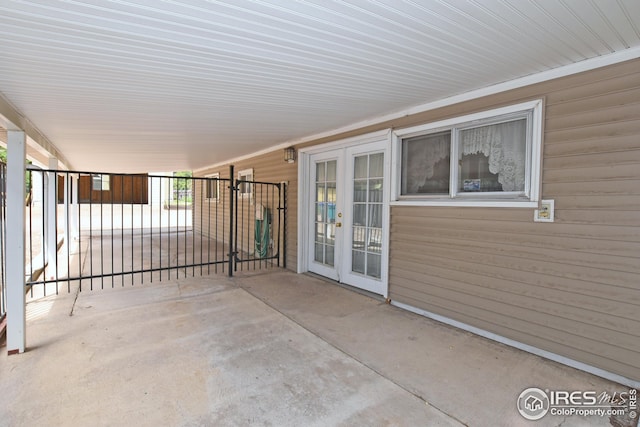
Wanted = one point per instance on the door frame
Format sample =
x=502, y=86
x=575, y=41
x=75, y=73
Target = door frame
x=304, y=198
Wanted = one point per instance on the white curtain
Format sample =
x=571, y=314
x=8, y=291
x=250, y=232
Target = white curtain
x=421, y=157
x=505, y=146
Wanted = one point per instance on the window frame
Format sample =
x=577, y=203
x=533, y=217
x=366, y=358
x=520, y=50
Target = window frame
x=527, y=198
x=217, y=187
x=246, y=192
x=105, y=184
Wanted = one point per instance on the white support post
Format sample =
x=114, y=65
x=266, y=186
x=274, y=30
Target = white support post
x=74, y=207
x=65, y=210
x=50, y=207
x=16, y=192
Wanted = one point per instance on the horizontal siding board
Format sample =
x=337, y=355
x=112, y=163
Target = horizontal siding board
x=593, y=132
x=417, y=218
x=582, y=246
x=419, y=214
x=608, y=314
x=592, y=146
x=629, y=187
x=537, y=280
x=595, y=117
x=596, y=326
x=592, y=86
x=594, y=159
x=612, y=364
x=623, y=219
x=516, y=250
x=624, y=282
x=518, y=321
x=593, y=173
x=608, y=202
x=598, y=101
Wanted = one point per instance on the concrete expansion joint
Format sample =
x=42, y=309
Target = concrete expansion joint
x=75, y=299
x=351, y=356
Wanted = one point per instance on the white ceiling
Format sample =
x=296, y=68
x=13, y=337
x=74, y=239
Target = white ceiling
x=150, y=85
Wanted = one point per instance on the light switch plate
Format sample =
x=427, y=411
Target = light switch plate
x=546, y=213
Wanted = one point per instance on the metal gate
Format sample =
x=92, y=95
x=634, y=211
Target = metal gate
x=96, y=230
x=3, y=245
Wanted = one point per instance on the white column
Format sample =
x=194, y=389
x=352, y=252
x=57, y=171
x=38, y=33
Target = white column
x=74, y=207
x=16, y=191
x=65, y=208
x=51, y=206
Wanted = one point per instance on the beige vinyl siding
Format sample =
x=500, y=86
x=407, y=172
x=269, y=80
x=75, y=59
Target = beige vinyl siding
x=571, y=287
x=269, y=167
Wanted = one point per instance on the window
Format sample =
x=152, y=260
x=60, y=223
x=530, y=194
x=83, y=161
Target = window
x=245, y=187
x=212, y=187
x=497, y=159
x=100, y=182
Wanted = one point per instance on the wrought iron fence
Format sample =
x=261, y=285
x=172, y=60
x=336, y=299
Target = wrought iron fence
x=106, y=230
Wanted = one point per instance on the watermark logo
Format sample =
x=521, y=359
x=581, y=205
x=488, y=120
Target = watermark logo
x=533, y=403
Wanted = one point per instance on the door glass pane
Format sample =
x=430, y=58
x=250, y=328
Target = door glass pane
x=375, y=215
x=331, y=170
x=367, y=210
x=357, y=262
x=320, y=212
x=359, y=214
x=331, y=192
x=360, y=167
x=320, y=233
x=376, y=162
x=319, y=253
x=375, y=190
x=374, y=240
x=320, y=172
x=359, y=237
x=373, y=265
x=360, y=190
x=329, y=255
x=325, y=212
x=320, y=192
x=331, y=234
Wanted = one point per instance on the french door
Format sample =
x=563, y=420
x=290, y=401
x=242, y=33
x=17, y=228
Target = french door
x=348, y=215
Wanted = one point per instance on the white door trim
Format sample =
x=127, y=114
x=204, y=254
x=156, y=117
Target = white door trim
x=304, y=197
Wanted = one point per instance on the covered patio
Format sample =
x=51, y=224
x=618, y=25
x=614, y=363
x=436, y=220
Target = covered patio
x=272, y=348
x=321, y=102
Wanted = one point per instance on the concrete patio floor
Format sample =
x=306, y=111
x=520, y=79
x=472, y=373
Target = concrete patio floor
x=265, y=349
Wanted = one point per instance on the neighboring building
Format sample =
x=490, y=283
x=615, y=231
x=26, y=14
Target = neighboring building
x=383, y=208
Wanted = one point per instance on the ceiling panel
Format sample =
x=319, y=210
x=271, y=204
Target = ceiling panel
x=152, y=85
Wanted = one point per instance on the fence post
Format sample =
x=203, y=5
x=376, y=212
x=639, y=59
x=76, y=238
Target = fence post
x=50, y=204
x=16, y=192
x=232, y=190
x=283, y=196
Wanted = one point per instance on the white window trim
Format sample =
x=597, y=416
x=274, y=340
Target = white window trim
x=212, y=199
x=105, y=182
x=533, y=178
x=244, y=173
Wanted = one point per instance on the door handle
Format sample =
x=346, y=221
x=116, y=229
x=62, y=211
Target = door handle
x=338, y=224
